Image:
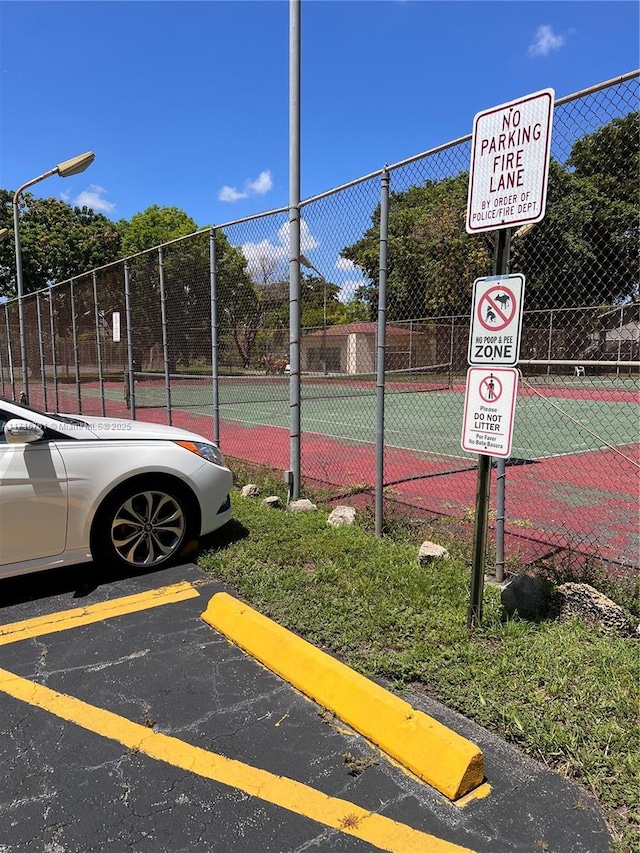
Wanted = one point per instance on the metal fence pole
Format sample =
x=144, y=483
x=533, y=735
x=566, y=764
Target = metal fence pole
x=293, y=475
x=2, y=372
x=74, y=333
x=550, y=344
x=215, y=399
x=130, y=370
x=98, y=343
x=165, y=334
x=43, y=372
x=380, y=351
x=620, y=343
x=54, y=360
x=12, y=378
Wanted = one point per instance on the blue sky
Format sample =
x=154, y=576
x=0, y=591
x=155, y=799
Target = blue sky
x=186, y=103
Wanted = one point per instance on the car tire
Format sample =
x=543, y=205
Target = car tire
x=144, y=525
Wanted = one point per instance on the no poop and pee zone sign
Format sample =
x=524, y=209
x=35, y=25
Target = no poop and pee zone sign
x=496, y=320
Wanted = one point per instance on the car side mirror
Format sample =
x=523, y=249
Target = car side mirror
x=22, y=432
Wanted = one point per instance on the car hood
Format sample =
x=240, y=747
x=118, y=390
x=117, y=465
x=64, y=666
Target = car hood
x=109, y=429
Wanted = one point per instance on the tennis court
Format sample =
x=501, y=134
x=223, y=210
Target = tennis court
x=572, y=482
x=423, y=412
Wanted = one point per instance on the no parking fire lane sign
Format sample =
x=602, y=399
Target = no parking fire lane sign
x=496, y=320
x=489, y=408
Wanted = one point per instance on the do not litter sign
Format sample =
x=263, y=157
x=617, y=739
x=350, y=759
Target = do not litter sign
x=496, y=320
x=489, y=409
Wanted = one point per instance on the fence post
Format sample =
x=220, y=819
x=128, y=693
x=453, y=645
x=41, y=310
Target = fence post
x=130, y=370
x=380, y=351
x=550, y=344
x=2, y=371
x=74, y=333
x=43, y=372
x=293, y=475
x=12, y=378
x=215, y=397
x=165, y=335
x=54, y=360
x=98, y=342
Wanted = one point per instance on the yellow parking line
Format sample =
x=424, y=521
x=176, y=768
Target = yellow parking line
x=379, y=831
x=66, y=619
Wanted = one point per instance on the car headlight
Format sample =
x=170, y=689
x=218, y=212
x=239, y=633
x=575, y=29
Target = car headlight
x=207, y=451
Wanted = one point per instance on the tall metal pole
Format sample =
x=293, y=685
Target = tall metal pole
x=215, y=383
x=69, y=167
x=294, y=248
x=380, y=352
x=20, y=291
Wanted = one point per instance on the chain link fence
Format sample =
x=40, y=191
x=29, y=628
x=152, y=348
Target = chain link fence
x=137, y=339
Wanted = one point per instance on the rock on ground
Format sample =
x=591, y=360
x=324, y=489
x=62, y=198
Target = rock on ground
x=342, y=515
x=581, y=600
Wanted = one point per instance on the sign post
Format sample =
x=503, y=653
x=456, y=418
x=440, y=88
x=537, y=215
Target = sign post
x=507, y=187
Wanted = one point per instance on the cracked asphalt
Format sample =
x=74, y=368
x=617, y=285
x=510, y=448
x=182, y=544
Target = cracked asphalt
x=71, y=783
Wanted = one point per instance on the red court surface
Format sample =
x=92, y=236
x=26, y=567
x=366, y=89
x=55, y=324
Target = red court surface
x=585, y=503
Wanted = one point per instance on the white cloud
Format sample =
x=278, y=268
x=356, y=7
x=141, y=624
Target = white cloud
x=261, y=185
x=93, y=198
x=230, y=194
x=267, y=254
x=544, y=41
x=348, y=289
x=344, y=264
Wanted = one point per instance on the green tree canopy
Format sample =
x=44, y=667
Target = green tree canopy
x=154, y=226
x=431, y=260
x=57, y=241
x=583, y=253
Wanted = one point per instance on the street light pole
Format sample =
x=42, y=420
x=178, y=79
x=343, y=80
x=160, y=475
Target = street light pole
x=65, y=170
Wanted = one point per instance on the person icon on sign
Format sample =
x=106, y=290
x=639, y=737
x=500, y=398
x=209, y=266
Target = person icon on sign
x=490, y=387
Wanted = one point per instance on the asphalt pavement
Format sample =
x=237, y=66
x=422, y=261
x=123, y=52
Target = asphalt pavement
x=128, y=723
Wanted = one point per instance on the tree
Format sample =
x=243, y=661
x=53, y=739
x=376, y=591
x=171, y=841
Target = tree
x=431, y=260
x=585, y=250
x=58, y=242
x=583, y=253
x=187, y=279
x=154, y=226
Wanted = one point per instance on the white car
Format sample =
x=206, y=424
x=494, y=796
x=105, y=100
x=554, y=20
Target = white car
x=75, y=488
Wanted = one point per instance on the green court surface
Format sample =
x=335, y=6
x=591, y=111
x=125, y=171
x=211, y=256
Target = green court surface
x=427, y=420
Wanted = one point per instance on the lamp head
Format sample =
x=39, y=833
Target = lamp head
x=75, y=165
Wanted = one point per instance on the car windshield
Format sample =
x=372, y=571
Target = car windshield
x=65, y=419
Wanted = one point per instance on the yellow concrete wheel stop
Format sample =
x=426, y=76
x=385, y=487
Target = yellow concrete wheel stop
x=439, y=756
